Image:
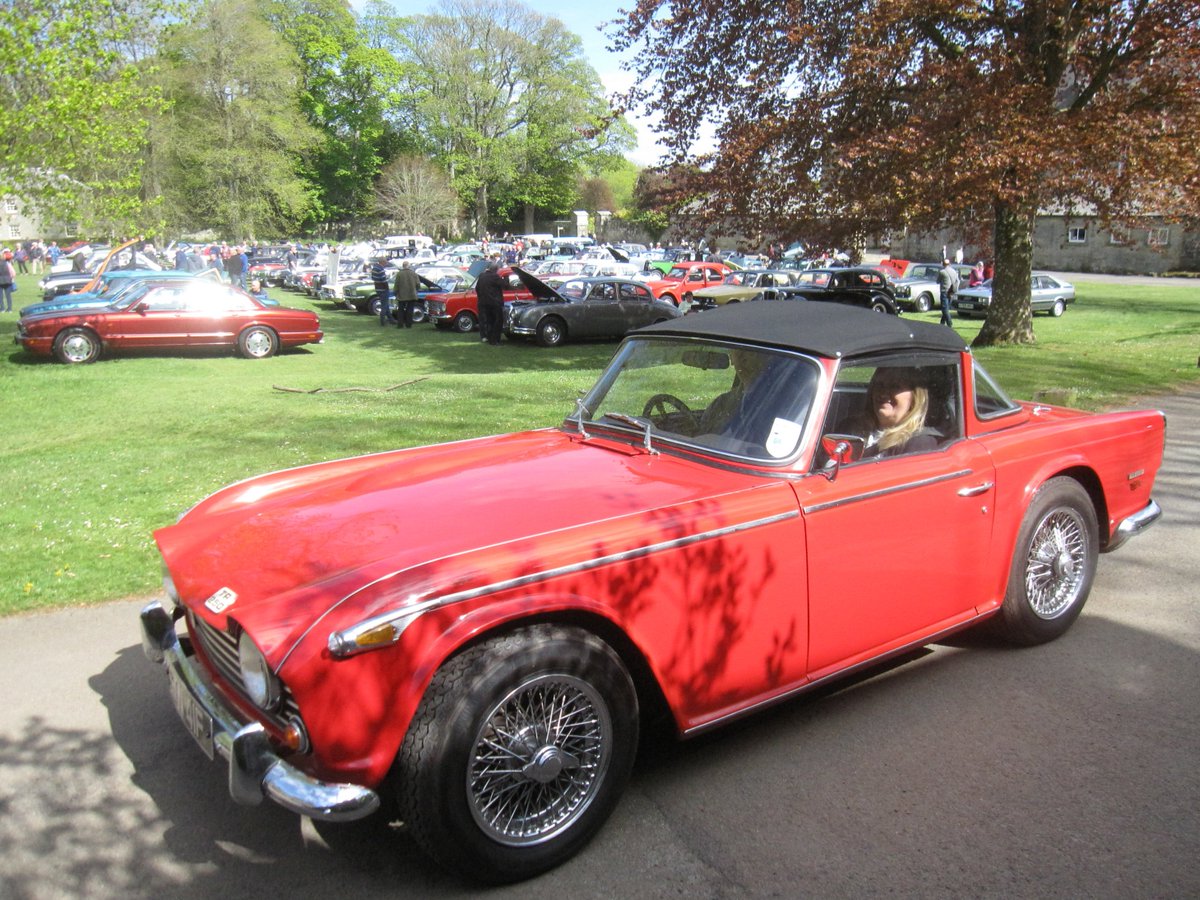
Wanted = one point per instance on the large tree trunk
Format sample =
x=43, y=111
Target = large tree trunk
x=529, y=211
x=1009, y=320
x=481, y=210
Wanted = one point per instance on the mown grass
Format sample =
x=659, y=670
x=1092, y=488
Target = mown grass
x=95, y=458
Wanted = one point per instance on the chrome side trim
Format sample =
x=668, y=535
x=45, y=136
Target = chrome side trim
x=834, y=676
x=882, y=492
x=255, y=770
x=344, y=643
x=1134, y=525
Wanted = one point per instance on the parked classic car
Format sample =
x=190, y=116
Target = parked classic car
x=860, y=286
x=583, y=308
x=183, y=313
x=746, y=284
x=1048, y=294
x=918, y=289
x=459, y=310
x=475, y=629
x=685, y=278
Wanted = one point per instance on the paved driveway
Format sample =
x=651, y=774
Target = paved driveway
x=1061, y=771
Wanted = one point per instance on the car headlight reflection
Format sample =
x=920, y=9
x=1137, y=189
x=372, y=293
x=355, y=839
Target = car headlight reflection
x=261, y=685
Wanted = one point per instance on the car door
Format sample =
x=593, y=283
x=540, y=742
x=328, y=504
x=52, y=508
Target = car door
x=158, y=319
x=217, y=315
x=1041, y=293
x=898, y=546
x=598, y=314
x=636, y=304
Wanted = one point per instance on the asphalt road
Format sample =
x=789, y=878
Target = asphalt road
x=1069, y=770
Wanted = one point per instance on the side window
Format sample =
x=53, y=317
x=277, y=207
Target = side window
x=166, y=300
x=696, y=275
x=893, y=407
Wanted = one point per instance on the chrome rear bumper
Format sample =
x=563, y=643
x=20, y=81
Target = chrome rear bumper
x=255, y=770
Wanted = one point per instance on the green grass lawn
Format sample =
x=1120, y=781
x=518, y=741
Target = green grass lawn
x=96, y=457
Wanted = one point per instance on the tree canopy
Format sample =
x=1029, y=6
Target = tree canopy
x=839, y=119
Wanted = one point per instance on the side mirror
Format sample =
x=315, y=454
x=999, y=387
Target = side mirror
x=840, y=449
x=140, y=307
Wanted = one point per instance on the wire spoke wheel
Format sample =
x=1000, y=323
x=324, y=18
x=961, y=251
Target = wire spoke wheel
x=539, y=759
x=1054, y=569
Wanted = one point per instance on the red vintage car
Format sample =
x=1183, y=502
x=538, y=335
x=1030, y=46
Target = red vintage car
x=686, y=277
x=475, y=631
x=183, y=313
x=459, y=310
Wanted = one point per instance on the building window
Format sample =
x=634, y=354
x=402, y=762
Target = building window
x=10, y=205
x=14, y=231
x=1076, y=235
x=1118, y=236
x=1158, y=237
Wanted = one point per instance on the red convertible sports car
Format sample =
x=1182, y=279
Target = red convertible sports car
x=475, y=631
x=187, y=313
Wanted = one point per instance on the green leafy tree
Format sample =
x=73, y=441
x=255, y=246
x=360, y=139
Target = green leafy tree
x=75, y=106
x=349, y=91
x=237, y=132
x=839, y=119
x=505, y=101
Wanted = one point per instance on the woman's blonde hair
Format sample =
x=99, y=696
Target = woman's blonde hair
x=915, y=420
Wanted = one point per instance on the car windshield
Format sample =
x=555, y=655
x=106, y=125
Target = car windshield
x=747, y=402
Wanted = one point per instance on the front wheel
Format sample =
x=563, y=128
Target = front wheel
x=1053, y=564
x=880, y=307
x=924, y=303
x=551, y=331
x=258, y=342
x=76, y=345
x=463, y=322
x=519, y=751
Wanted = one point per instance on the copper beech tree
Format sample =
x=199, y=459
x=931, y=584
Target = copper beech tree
x=834, y=120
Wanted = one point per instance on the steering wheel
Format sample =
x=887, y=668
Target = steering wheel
x=660, y=405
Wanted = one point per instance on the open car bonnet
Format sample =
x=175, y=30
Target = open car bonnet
x=537, y=287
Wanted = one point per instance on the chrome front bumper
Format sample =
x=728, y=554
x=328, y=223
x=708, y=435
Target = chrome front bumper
x=1134, y=525
x=255, y=770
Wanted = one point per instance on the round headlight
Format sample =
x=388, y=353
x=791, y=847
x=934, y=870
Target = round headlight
x=260, y=683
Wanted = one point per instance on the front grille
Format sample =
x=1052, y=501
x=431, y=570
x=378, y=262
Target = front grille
x=220, y=649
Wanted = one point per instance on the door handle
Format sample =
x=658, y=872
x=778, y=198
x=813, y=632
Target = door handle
x=975, y=490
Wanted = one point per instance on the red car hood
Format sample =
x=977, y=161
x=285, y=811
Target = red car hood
x=356, y=537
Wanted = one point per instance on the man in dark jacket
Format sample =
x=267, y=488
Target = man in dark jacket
x=489, y=289
x=379, y=277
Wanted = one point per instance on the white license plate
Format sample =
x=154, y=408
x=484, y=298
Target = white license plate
x=966, y=304
x=198, y=722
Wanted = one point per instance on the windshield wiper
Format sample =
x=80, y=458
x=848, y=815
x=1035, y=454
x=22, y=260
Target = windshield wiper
x=636, y=422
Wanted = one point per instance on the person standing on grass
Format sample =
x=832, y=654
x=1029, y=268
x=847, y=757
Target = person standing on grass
x=379, y=278
x=489, y=289
x=7, y=276
x=406, y=286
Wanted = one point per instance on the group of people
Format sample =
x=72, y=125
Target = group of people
x=404, y=291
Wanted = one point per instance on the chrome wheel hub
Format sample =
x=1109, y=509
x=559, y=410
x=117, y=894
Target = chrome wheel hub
x=1054, y=568
x=539, y=760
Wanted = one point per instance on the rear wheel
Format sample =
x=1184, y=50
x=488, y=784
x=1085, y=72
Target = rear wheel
x=519, y=751
x=77, y=345
x=1053, y=564
x=258, y=342
x=1058, y=308
x=463, y=321
x=879, y=306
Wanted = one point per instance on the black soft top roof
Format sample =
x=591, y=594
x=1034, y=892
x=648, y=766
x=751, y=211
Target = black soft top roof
x=820, y=328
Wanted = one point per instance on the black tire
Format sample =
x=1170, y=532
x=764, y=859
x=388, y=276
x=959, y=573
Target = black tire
x=923, y=303
x=77, y=346
x=258, y=342
x=1058, y=308
x=419, y=315
x=464, y=322
x=669, y=298
x=1053, y=564
x=504, y=804
x=374, y=307
x=551, y=331
x=880, y=307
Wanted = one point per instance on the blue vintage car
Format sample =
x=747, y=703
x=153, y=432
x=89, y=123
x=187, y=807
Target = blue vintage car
x=114, y=287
